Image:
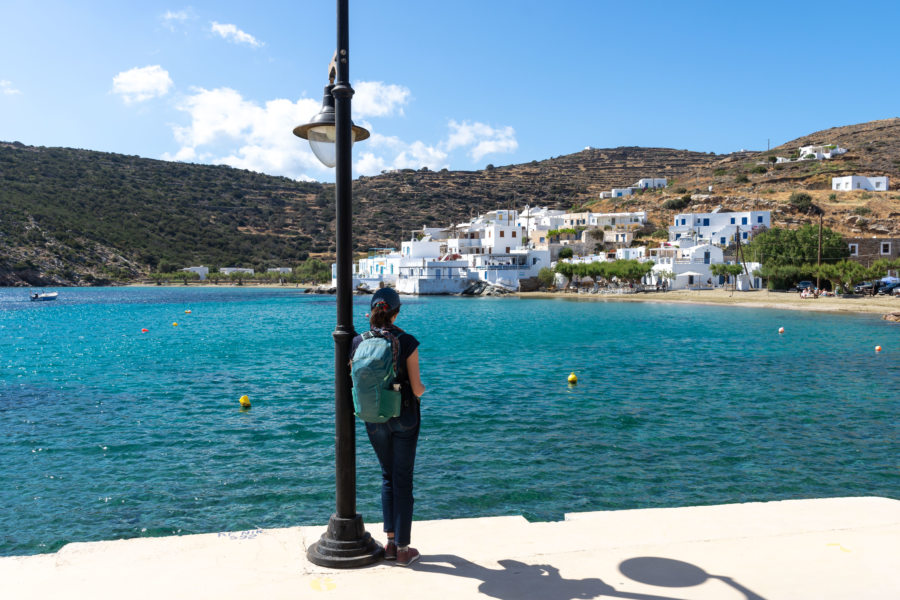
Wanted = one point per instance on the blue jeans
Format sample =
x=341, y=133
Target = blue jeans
x=395, y=442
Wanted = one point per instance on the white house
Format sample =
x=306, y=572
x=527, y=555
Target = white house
x=858, y=182
x=650, y=183
x=589, y=219
x=689, y=267
x=534, y=217
x=447, y=260
x=230, y=270
x=820, y=152
x=637, y=253
x=203, y=272
x=280, y=270
x=814, y=152
x=617, y=219
x=619, y=192
x=719, y=228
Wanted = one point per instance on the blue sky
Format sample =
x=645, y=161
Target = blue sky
x=456, y=84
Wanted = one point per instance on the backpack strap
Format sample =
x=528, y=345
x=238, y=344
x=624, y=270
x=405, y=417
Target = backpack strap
x=395, y=344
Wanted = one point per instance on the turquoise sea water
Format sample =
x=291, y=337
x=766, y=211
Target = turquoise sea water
x=112, y=433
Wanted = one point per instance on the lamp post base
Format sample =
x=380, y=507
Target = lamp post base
x=345, y=545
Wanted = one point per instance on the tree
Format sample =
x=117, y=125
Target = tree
x=545, y=277
x=786, y=254
x=566, y=252
x=801, y=201
x=728, y=271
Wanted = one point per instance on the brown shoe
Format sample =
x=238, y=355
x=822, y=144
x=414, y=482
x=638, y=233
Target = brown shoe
x=390, y=551
x=407, y=557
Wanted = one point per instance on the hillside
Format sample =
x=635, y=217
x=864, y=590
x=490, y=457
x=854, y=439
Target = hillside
x=80, y=217
x=748, y=180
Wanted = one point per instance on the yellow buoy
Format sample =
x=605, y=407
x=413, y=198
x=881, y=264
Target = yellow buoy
x=245, y=402
x=573, y=378
x=187, y=312
x=174, y=324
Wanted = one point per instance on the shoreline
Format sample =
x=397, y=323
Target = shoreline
x=880, y=305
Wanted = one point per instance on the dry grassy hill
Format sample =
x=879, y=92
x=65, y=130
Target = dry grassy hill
x=77, y=216
x=747, y=180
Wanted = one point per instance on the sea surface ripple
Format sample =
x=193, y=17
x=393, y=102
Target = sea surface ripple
x=113, y=433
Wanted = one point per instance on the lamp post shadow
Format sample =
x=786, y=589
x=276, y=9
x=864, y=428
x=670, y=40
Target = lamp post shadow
x=516, y=580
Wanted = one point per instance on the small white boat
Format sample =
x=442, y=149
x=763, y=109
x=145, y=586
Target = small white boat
x=44, y=296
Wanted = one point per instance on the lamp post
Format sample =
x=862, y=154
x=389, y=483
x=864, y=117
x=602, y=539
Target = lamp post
x=331, y=134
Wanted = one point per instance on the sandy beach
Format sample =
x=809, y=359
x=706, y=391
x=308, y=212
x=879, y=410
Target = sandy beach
x=756, y=299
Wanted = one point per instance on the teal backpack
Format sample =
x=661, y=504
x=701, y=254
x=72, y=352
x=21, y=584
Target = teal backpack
x=373, y=369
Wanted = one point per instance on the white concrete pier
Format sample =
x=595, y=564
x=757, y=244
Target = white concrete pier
x=793, y=550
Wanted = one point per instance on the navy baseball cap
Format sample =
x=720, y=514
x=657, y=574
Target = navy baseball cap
x=388, y=295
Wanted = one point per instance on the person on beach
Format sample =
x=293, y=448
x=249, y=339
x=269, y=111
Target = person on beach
x=394, y=441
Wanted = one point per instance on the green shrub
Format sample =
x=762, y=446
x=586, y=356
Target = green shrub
x=832, y=197
x=566, y=252
x=677, y=203
x=801, y=201
x=741, y=178
x=759, y=169
x=862, y=211
x=680, y=190
x=720, y=171
x=545, y=277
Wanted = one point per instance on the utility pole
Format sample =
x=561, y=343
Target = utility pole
x=819, y=260
x=739, y=254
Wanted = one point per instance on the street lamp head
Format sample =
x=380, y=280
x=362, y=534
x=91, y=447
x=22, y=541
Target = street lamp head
x=320, y=131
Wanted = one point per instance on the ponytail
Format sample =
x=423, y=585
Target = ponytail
x=382, y=315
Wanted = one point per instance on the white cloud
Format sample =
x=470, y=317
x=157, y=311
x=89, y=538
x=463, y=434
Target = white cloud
x=173, y=18
x=7, y=88
x=483, y=139
x=377, y=99
x=227, y=129
x=144, y=83
x=233, y=34
x=382, y=153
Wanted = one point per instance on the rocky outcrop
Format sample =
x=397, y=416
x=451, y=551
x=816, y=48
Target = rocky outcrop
x=483, y=288
x=894, y=316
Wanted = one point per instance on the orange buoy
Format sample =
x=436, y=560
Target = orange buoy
x=187, y=312
x=781, y=330
x=174, y=324
x=877, y=348
x=144, y=330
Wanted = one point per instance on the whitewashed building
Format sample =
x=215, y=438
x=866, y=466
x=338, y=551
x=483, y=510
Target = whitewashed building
x=719, y=228
x=619, y=192
x=858, y=182
x=637, y=253
x=535, y=217
x=591, y=219
x=230, y=270
x=684, y=267
x=447, y=260
x=820, y=151
x=651, y=183
x=201, y=271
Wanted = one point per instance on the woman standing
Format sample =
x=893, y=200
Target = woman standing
x=395, y=440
